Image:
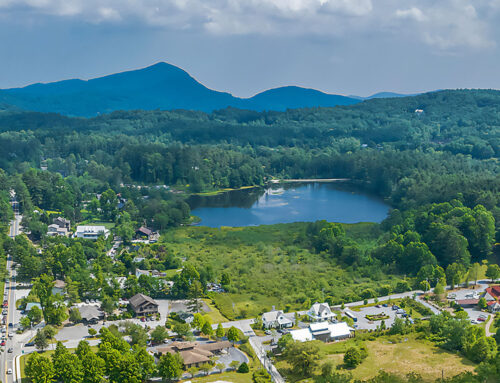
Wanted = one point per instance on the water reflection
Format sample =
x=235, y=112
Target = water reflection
x=288, y=203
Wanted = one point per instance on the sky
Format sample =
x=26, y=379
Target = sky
x=346, y=47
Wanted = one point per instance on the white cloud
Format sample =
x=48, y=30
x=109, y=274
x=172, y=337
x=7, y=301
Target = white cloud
x=448, y=25
x=445, y=25
x=412, y=13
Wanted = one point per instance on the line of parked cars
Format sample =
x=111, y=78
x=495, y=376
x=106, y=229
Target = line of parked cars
x=480, y=318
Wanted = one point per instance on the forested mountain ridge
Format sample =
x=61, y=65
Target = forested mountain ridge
x=460, y=122
x=160, y=86
x=450, y=150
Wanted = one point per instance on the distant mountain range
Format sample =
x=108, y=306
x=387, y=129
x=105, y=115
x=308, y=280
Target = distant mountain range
x=160, y=86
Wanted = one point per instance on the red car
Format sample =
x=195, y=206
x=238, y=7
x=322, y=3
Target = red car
x=3, y=343
x=143, y=319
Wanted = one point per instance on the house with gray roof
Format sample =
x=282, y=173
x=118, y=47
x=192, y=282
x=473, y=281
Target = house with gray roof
x=321, y=312
x=276, y=319
x=143, y=305
x=90, y=314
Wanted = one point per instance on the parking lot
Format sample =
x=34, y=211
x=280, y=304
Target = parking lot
x=365, y=324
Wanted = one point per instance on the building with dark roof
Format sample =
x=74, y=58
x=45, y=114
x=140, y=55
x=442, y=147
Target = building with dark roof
x=143, y=305
x=90, y=314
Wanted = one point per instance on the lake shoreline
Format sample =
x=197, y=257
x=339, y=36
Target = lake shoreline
x=287, y=202
x=276, y=181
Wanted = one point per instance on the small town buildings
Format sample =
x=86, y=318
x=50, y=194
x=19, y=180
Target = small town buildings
x=91, y=232
x=146, y=233
x=54, y=231
x=90, y=314
x=59, y=227
x=321, y=312
x=492, y=296
x=186, y=317
x=143, y=305
x=276, y=319
x=150, y=273
x=63, y=223
x=195, y=354
x=30, y=305
x=468, y=303
x=58, y=287
x=143, y=232
x=323, y=331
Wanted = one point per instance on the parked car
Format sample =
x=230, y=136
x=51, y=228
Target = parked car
x=2, y=343
x=268, y=332
x=481, y=319
x=394, y=307
x=378, y=306
x=385, y=305
x=29, y=344
x=473, y=321
x=10, y=350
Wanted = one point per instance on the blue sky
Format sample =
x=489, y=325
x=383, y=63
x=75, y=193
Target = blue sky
x=245, y=46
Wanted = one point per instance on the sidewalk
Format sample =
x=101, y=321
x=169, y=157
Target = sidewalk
x=266, y=362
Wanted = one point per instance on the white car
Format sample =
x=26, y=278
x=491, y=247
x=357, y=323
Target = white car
x=9, y=371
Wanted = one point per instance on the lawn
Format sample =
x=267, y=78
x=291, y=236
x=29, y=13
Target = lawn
x=232, y=376
x=96, y=222
x=396, y=354
x=410, y=355
x=214, y=315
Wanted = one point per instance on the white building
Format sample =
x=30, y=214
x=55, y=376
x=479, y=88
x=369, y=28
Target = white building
x=91, y=232
x=321, y=312
x=324, y=331
x=276, y=319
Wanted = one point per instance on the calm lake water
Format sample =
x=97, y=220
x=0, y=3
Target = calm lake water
x=287, y=203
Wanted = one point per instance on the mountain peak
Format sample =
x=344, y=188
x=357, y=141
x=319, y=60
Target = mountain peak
x=158, y=86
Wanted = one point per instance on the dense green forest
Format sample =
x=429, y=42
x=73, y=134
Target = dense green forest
x=449, y=151
x=438, y=168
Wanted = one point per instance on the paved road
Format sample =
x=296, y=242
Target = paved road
x=244, y=325
x=7, y=358
x=266, y=362
x=15, y=226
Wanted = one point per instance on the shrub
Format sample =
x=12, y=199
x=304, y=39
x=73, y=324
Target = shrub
x=261, y=376
x=243, y=368
x=352, y=357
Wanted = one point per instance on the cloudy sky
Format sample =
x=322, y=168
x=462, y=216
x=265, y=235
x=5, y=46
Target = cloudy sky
x=245, y=46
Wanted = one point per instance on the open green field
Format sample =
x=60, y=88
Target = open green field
x=97, y=222
x=232, y=377
x=274, y=265
x=396, y=354
x=214, y=315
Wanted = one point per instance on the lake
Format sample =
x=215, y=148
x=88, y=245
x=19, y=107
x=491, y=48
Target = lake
x=286, y=203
